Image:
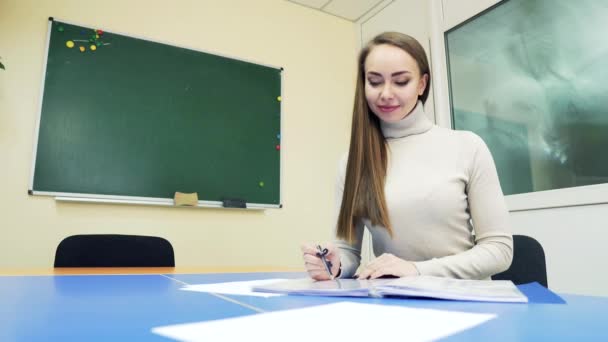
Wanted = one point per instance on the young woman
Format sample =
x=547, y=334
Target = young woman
x=429, y=196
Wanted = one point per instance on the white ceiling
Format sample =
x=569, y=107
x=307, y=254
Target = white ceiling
x=347, y=9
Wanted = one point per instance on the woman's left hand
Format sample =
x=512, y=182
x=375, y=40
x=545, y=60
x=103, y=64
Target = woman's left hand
x=388, y=264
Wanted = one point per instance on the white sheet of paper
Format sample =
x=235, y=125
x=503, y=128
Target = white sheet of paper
x=344, y=321
x=242, y=288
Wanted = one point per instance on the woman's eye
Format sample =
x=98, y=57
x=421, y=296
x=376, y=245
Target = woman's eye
x=374, y=83
x=402, y=83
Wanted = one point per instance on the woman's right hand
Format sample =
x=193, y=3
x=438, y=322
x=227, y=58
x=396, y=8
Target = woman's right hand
x=314, y=264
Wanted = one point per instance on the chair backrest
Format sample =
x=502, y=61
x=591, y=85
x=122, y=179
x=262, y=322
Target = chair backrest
x=114, y=250
x=528, y=262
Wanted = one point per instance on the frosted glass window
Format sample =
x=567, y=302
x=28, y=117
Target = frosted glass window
x=531, y=78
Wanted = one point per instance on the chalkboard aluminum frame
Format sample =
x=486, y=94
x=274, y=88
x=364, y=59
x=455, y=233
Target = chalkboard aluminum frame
x=135, y=200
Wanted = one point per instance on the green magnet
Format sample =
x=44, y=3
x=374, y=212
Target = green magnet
x=60, y=29
x=261, y=184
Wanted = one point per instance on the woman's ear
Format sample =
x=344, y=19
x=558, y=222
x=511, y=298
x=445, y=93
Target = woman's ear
x=424, y=80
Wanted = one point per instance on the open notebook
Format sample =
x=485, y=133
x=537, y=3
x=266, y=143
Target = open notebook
x=420, y=286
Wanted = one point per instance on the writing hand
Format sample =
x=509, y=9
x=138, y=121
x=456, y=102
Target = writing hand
x=315, y=266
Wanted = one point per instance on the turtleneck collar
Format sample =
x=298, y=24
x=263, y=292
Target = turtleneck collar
x=415, y=122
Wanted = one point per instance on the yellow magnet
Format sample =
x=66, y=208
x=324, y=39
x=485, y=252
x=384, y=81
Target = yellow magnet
x=69, y=44
x=93, y=47
x=82, y=49
x=278, y=98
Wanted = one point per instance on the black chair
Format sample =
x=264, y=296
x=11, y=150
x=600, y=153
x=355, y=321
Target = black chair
x=528, y=262
x=114, y=250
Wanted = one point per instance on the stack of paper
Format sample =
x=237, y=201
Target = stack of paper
x=420, y=286
x=455, y=289
x=337, y=287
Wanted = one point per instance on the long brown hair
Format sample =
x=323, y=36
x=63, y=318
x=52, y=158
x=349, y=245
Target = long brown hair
x=363, y=195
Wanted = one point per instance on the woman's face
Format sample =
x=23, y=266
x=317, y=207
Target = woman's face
x=392, y=82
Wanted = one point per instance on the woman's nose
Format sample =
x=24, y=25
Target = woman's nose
x=386, y=93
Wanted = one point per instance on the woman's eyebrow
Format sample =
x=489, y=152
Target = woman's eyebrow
x=373, y=73
x=397, y=73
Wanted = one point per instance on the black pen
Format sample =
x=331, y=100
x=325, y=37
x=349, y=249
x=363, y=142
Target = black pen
x=321, y=254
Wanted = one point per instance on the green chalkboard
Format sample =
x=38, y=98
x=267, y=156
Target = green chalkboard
x=130, y=117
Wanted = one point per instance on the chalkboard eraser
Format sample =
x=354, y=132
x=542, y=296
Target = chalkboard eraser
x=186, y=199
x=234, y=203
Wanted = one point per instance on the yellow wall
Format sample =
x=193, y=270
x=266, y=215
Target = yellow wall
x=318, y=54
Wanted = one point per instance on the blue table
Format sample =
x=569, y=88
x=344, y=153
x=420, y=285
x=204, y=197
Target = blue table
x=126, y=307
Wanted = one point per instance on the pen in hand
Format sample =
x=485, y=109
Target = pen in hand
x=321, y=254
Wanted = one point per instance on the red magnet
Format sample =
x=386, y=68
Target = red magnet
x=278, y=147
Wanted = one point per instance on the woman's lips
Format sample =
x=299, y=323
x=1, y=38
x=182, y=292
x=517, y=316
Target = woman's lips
x=387, y=109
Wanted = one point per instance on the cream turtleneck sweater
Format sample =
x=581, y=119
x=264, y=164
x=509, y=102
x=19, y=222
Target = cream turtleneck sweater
x=438, y=181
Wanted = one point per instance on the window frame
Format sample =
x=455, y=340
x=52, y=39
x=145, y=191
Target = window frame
x=446, y=15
